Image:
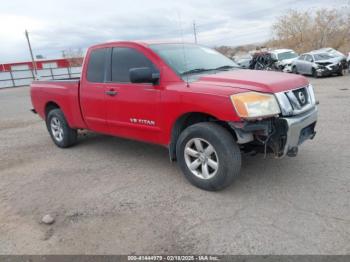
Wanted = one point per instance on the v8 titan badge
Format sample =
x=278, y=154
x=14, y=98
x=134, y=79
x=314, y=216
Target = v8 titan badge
x=143, y=121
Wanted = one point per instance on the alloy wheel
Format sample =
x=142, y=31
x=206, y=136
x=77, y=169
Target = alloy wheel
x=56, y=129
x=201, y=158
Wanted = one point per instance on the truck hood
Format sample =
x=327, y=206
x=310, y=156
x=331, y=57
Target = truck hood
x=255, y=80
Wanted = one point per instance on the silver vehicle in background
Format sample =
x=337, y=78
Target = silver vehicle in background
x=284, y=59
x=317, y=64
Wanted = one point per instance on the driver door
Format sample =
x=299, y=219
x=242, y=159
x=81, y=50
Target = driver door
x=133, y=108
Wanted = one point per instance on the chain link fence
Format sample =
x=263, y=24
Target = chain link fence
x=25, y=77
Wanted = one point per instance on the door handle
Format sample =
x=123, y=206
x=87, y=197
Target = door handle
x=111, y=92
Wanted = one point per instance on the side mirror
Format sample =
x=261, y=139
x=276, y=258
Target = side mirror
x=143, y=75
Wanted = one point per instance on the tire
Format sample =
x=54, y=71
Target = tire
x=62, y=135
x=226, y=154
x=341, y=71
x=295, y=70
x=314, y=73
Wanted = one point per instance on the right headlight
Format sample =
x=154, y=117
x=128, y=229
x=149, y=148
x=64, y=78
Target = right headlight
x=254, y=105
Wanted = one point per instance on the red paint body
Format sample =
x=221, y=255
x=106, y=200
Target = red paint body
x=85, y=105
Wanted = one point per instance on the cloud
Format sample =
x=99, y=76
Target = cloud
x=58, y=25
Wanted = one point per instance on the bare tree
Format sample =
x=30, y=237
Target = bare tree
x=74, y=56
x=306, y=30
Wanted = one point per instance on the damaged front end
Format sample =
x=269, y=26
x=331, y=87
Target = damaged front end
x=281, y=135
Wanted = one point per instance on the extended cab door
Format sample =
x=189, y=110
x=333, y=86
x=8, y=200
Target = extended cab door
x=133, y=109
x=93, y=90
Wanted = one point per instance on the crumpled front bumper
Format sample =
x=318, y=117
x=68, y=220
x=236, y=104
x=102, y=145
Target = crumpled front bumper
x=328, y=70
x=299, y=129
x=282, y=135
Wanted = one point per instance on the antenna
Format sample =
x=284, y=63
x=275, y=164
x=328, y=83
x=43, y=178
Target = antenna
x=183, y=48
x=195, y=32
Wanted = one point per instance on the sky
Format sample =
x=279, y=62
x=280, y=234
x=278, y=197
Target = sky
x=59, y=25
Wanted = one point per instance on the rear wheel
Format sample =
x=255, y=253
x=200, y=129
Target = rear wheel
x=60, y=132
x=208, y=156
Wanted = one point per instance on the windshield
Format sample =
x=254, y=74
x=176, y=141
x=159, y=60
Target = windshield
x=287, y=55
x=192, y=59
x=322, y=56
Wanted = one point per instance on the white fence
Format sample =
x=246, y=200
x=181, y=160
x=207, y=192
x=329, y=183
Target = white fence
x=25, y=77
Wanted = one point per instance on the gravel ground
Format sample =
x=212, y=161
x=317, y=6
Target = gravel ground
x=115, y=196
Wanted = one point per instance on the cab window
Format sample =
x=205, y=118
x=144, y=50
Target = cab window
x=97, y=65
x=123, y=59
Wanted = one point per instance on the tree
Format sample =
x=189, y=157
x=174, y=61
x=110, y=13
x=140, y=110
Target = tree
x=306, y=30
x=74, y=56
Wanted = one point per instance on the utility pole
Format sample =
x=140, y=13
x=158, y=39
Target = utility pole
x=195, y=32
x=31, y=53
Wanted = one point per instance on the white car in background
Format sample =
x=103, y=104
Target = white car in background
x=284, y=58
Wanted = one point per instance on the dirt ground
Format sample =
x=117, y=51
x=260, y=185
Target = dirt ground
x=115, y=196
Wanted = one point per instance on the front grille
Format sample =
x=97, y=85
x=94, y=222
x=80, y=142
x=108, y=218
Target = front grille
x=298, y=98
x=302, y=96
x=296, y=101
x=334, y=67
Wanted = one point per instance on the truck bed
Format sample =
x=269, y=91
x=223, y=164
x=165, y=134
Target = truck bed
x=65, y=93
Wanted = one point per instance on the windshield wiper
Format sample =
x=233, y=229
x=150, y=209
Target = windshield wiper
x=196, y=70
x=200, y=70
x=225, y=67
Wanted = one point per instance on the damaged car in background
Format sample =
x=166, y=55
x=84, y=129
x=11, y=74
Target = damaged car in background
x=273, y=60
x=318, y=64
x=284, y=59
x=333, y=52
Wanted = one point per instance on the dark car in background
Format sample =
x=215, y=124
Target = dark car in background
x=318, y=64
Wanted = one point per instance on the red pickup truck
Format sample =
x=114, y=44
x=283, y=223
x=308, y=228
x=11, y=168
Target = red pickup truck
x=186, y=97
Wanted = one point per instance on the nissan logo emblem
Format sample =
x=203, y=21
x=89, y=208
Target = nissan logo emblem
x=302, y=98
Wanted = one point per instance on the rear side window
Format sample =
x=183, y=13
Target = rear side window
x=123, y=59
x=97, y=65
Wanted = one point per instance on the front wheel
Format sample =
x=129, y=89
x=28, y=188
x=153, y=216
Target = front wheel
x=208, y=156
x=342, y=71
x=60, y=132
x=314, y=73
x=295, y=70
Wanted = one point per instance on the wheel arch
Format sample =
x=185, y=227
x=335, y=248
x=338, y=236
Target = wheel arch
x=50, y=106
x=188, y=119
